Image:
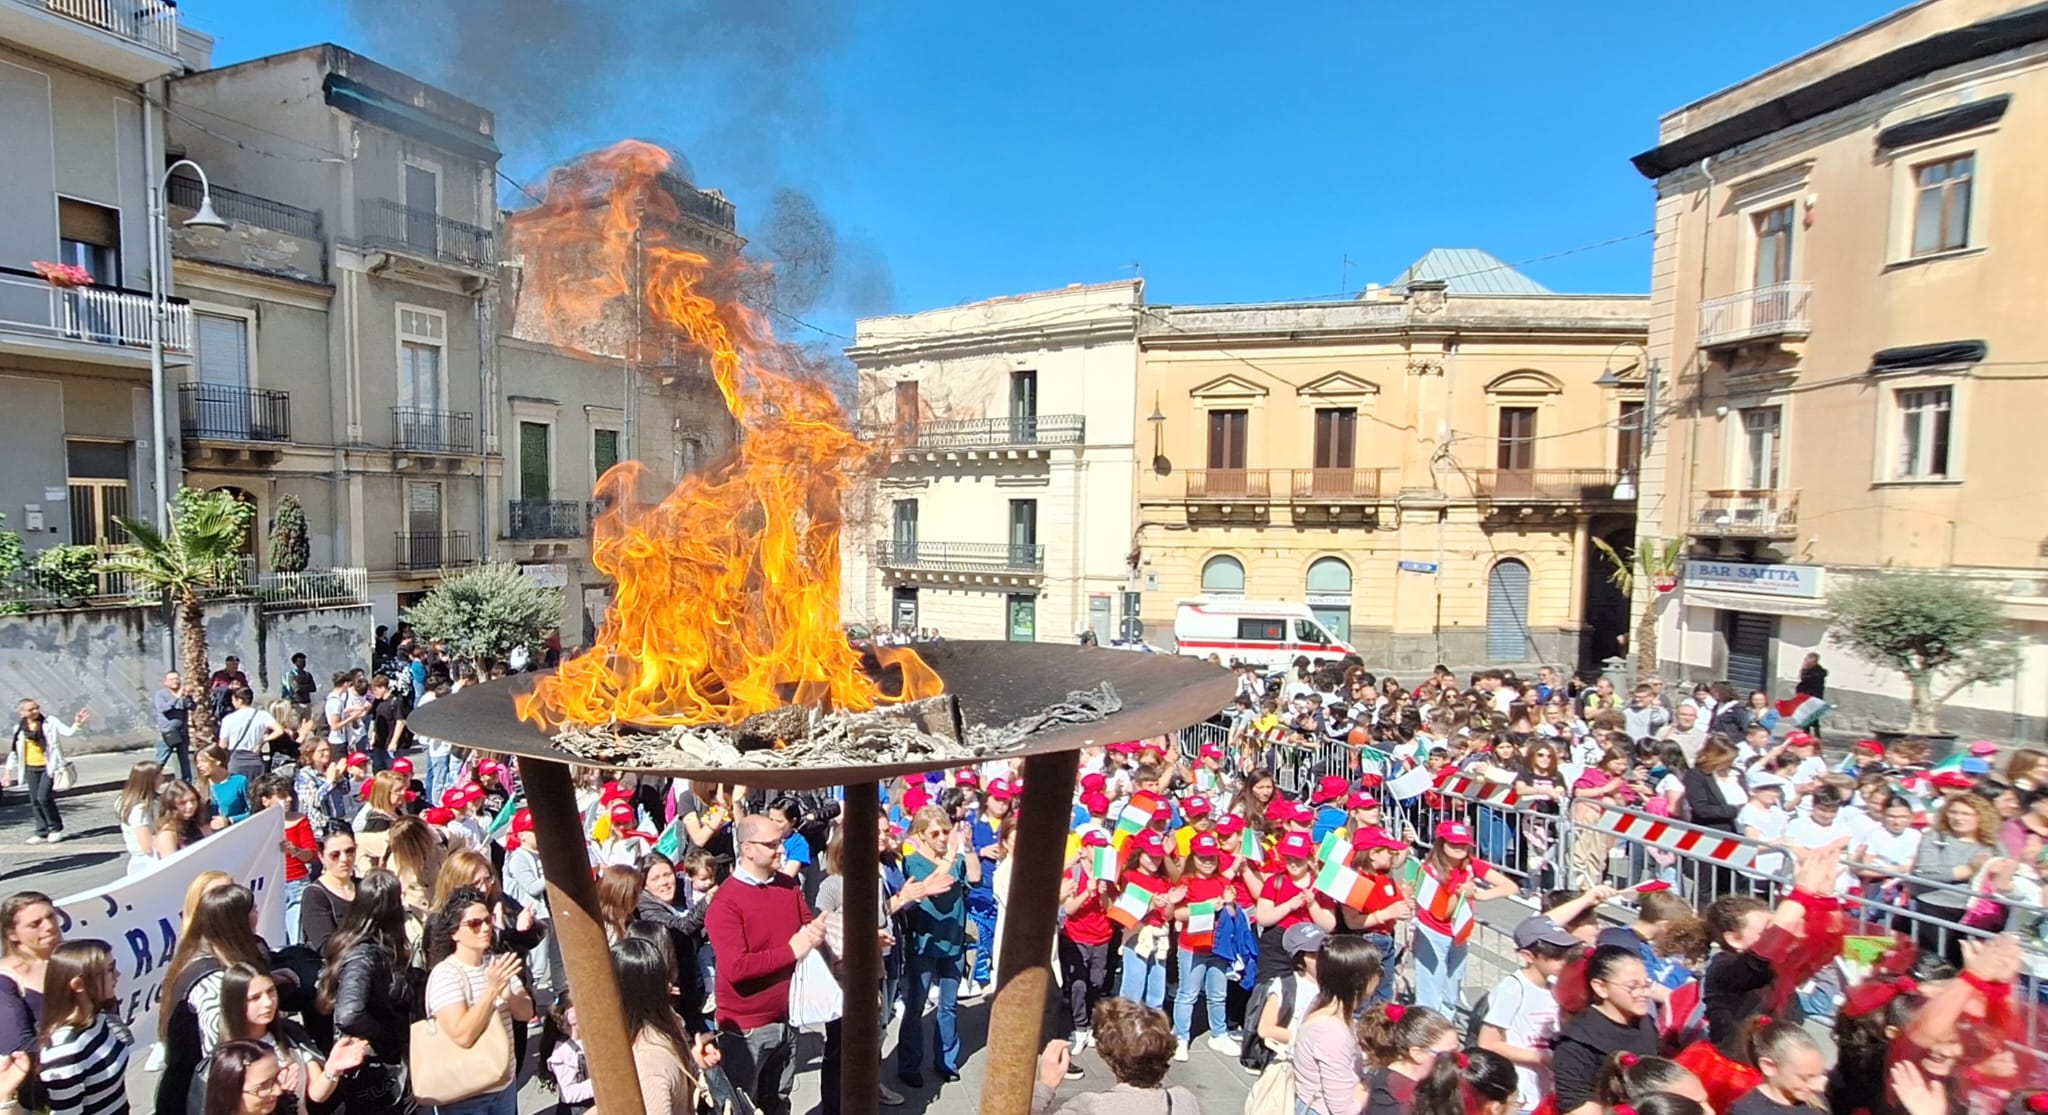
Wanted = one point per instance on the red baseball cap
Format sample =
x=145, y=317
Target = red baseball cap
x=438, y=816
x=1154, y=744
x=1162, y=811
x=1094, y=801
x=1954, y=780
x=1454, y=832
x=1330, y=787
x=1204, y=845
x=368, y=785
x=358, y=759
x=1230, y=824
x=522, y=821
x=1375, y=837
x=1297, y=845
x=488, y=766
x=402, y=765
x=1212, y=751
x=473, y=789
x=1094, y=838
x=1000, y=789
x=1151, y=843
x=614, y=792
x=1094, y=782
x=967, y=777
x=622, y=813
x=1362, y=800
x=1797, y=738
x=1197, y=806
x=1871, y=746
x=1983, y=747
x=454, y=797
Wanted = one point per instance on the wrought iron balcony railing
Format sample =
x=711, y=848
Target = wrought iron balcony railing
x=226, y=412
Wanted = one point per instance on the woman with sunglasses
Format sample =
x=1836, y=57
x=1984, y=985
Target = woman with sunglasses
x=470, y=991
x=942, y=865
x=324, y=904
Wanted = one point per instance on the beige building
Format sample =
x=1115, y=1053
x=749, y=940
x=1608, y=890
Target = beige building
x=1003, y=506
x=1424, y=466
x=1846, y=308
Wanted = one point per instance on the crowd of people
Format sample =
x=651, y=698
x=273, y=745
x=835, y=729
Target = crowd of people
x=1319, y=940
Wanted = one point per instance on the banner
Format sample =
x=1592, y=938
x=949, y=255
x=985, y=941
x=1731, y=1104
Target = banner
x=139, y=916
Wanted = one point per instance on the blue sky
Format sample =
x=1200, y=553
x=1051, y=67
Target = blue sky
x=983, y=149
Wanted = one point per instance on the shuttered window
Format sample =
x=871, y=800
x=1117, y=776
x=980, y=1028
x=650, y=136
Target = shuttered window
x=1507, y=613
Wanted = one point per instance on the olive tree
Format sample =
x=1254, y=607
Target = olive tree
x=1942, y=633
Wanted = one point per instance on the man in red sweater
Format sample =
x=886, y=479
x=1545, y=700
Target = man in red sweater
x=760, y=928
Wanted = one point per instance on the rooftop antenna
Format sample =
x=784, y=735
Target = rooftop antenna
x=1344, y=276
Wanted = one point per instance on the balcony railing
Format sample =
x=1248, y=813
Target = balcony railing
x=234, y=205
x=434, y=551
x=149, y=23
x=1221, y=484
x=225, y=412
x=989, y=433
x=1777, y=310
x=1336, y=485
x=414, y=430
x=1561, y=485
x=547, y=518
x=1747, y=513
x=961, y=557
x=424, y=233
x=100, y=315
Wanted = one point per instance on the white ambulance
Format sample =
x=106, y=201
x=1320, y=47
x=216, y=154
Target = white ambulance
x=1268, y=633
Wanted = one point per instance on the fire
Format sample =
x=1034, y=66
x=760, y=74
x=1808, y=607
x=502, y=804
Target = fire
x=727, y=597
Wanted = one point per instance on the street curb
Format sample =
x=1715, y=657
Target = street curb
x=83, y=788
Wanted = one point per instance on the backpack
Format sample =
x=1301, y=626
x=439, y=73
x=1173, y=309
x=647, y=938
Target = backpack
x=1255, y=1054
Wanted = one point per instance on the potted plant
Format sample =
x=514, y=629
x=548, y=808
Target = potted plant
x=1657, y=563
x=64, y=275
x=1942, y=633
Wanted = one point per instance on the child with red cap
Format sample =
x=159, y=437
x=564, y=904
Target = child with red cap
x=1147, y=943
x=1085, y=936
x=1201, y=971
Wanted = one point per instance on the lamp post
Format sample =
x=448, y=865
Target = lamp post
x=159, y=232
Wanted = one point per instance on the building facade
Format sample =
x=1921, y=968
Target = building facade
x=1001, y=503
x=80, y=133
x=1425, y=466
x=1844, y=310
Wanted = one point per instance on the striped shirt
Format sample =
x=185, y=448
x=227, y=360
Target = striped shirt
x=455, y=984
x=83, y=1068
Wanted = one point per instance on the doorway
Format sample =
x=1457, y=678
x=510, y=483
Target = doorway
x=1606, y=607
x=1749, y=639
x=903, y=608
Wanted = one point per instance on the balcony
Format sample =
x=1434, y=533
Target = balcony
x=226, y=425
x=86, y=322
x=1761, y=513
x=1022, y=436
x=1777, y=312
x=135, y=40
x=426, y=236
x=1230, y=485
x=425, y=553
x=1336, y=485
x=961, y=562
x=1545, y=485
x=443, y=433
x=536, y=519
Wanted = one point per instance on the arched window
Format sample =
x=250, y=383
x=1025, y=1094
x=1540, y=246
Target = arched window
x=1507, y=613
x=1329, y=595
x=1223, y=576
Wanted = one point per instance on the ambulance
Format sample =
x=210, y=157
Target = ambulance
x=1267, y=633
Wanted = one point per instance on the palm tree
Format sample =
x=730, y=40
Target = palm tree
x=1649, y=560
x=201, y=551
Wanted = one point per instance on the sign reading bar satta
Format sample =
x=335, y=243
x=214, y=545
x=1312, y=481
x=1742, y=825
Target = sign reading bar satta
x=1803, y=581
x=139, y=916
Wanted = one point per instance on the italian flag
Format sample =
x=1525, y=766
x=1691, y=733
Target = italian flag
x=1443, y=903
x=1136, y=814
x=1344, y=885
x=1101, y=864
x=1335, y=848
x=501, y=825
x=1251, y=846
x=1133, y=904
x=1201, y=919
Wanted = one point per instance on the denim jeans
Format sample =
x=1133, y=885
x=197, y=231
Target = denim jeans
x=1204, y=974
x=1144, y=980
x=440, y=772
x=981, y=910
x=1439, y=971
x=919, y=976
x=1496, y=833
x=175, y=745
x=1384, y=993
x=504, y=1102
x=294, y=892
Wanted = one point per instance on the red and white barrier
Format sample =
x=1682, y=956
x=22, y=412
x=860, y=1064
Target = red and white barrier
x=1466, y=786
x=1714, y=847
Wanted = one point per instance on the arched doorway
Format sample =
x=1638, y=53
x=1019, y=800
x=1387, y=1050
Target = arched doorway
x=1329, y=595
x=1507, y=612
x=1606, y=607
x=1223, y=576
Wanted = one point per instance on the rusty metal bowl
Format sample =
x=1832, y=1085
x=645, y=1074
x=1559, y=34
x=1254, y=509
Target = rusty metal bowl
x=994, y=683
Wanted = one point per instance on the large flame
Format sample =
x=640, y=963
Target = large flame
x=727, y=600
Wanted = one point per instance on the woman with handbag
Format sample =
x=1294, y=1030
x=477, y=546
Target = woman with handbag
x=36, y=760
x=366, y=986
x=462, y=1056
x=664, y=1057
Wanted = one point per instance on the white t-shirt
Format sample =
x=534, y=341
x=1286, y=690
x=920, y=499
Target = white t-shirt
x=141, y=815
x=1770, y=826
x=455, y=984
x=1526, y=1014
x=1804, y=832
x=1895, y=852
x=243, y=730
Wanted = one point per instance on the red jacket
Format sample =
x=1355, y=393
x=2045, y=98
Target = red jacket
x=750, y=926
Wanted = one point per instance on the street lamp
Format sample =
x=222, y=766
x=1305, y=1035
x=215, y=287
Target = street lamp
x=1158, y=421
x=159, y=232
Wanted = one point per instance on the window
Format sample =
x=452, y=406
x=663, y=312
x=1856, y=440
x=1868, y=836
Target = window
x=536, y=480
x=90, y=236
x=1023, y=614
x=604, y=450
x=421, y=334
x=97, y=475
x=1760, y=438
x=1329, y=595
x=422, y=207
x=1227, y=438
x=1925, y=416
x=420, y=547
x=1307, y=632
x=1336, y=435
x=1517, y=439
x=903, y=529
x=1023, y=394
x=1024, y=534
x=1628, y=436
x=1261, y=630
x=907, y=410
x=218, y=404
x=1223, y=576
x=1941, y=205
x=1774, y=245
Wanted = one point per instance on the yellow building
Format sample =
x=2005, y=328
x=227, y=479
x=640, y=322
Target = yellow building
x=1424, y=466
x=1846, y=306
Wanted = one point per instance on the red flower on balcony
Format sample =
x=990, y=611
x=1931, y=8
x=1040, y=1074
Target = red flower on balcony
x=62, y=274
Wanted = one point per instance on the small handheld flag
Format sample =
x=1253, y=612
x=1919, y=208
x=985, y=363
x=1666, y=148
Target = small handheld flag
x=502, y=823
x=671, y=842
x=1101, y=863
x=1343, y=884
x=1335, y=848
x=1202, y=917
x=1132, y=906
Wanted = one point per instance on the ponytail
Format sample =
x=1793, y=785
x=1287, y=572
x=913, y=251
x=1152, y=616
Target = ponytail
x=1628, y=1078
x=1390, y=1030
x=1461, y=1083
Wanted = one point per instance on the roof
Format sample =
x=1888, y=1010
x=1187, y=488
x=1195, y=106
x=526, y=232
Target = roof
x=1469, y=271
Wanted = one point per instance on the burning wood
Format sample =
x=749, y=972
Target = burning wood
x=796, y=736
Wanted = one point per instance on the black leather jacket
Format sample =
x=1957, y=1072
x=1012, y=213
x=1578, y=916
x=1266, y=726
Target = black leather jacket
x=373, y=1000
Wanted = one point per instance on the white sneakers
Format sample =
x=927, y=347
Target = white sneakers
x=891, y=1098
x=1225, y=1044
x=1082, y=1039
x=1180, y=1049
x=54, y=837
x=971, y=991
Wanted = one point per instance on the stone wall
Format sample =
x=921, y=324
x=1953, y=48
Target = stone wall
x=111, y=659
